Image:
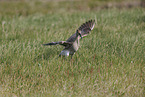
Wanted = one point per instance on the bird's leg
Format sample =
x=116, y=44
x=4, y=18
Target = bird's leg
x=72, y=56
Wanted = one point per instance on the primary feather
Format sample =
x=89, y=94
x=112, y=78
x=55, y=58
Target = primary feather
x=72, y=43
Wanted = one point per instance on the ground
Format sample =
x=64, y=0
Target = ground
x=110, y=60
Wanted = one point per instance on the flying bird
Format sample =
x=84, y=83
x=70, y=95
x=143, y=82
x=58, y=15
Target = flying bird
x=71, y=45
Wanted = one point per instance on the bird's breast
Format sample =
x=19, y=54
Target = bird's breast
x=75, y=46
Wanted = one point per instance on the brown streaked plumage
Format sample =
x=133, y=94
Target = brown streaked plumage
x=71, y=45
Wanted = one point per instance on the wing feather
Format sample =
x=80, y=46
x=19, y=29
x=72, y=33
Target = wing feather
x=64, y=43
x=85, y=28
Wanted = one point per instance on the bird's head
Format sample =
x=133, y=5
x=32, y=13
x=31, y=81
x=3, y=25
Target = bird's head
x=79, y=33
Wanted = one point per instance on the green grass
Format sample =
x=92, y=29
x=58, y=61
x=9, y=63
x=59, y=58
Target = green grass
x=109, y=62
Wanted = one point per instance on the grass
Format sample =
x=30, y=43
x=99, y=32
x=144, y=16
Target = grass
x=109, y=62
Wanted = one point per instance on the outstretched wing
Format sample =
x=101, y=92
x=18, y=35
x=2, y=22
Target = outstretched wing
x=86, y=27
x=64, y=43
x=72, y=38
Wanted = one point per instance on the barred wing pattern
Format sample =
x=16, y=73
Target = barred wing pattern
x=86, y=27
x=71, y=45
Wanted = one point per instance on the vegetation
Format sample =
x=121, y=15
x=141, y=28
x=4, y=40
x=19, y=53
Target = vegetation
x=109, y=62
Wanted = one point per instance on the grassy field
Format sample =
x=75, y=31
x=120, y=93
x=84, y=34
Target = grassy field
x=109, y=62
